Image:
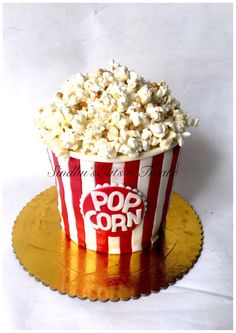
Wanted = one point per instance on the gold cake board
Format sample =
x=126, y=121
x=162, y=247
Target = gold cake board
x=43, y=249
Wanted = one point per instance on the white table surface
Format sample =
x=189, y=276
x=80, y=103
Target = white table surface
x=189, y=46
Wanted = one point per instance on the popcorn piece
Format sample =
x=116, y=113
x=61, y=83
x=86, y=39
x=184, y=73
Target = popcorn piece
x=121, y=73
x=162, y=91
x=146, y=134
x=158, y=130
x=124, y=149
x=154, y=141
x=166, y=144
x=82, y=116
x=115, y=117
x=112, y=133
x=123, y=123
x=145, y=145
x=145, y=94
x=154, y=112
x=136, y=118
x=134, y=106
x=122, y=103
x=133, y=144
x=93, y=131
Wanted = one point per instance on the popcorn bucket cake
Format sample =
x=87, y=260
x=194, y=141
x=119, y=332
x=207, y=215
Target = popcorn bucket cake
x=113, y=140
x=114, y=207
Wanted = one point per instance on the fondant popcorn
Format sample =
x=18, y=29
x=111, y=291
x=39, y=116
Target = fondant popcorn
x=111, y=113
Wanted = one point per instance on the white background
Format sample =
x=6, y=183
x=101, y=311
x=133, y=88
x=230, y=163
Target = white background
x=189, y=46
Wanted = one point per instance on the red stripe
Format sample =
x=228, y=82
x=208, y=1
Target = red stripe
x=176, y=170
x=131, y=173
x=76, y=191
x=153, y=189
x=173, y=168
x=102, y=173
x=102, y=176
x=62, y=196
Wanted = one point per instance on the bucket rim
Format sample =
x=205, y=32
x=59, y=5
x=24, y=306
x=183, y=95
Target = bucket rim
x=121, y=158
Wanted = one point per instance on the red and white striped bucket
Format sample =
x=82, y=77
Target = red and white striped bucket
x=115, y=206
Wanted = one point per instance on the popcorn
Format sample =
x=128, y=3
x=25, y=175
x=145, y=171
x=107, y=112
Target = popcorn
x=123, y=123
x=158, y=130
x=121, y=73
x=145, y=145
x=68, y=140
x=111, y=113
x=133, y=144
x=124, y=150
x=145, y=93
x=122, y=103
x=162, y=91
x=155, y=112
x=77, y=125
x=82, y=116
x=105, y=148
x=112, y=133
x=146, y=134
x=136, y=118
x=94, y=130
x=154, y=141
x=115, y=117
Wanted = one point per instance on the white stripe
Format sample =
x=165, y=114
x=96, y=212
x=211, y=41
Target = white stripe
x=88, y=184
x=117, y=173
x=161, y=194
x=58, y=190
x=69, y=200
x=114, y=244
x=117, y=177
x=143, y=185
